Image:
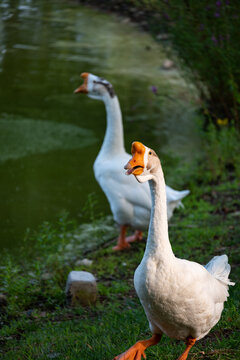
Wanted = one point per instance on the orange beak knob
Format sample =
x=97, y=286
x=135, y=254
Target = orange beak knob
x=83, y=88
x=135, y=165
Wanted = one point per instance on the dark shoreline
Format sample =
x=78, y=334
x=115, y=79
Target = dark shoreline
x=143, y=17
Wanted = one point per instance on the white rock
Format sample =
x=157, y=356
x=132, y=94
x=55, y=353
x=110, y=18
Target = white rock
x=162, y=37
x=81, y=288
x=168, y=64
x=85, y=262
x=46, y=276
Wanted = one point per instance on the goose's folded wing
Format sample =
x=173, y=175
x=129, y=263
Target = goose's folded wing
x=120, y=186
x=207, y=284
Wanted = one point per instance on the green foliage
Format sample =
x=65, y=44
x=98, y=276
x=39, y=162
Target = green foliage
x=204, y=34
x=221, y=148
x=205, y=37
x=217, y=160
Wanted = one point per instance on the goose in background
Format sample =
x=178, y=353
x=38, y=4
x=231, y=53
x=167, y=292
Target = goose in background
x=181, y=298
x=130, y=203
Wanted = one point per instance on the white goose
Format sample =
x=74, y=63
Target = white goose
x=129, y=202
x=181, y=298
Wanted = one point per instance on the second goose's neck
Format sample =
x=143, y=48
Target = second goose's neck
x=113, y=139
x=158, y=244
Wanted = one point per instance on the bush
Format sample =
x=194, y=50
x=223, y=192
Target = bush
x=220, y=158
x=205, y=36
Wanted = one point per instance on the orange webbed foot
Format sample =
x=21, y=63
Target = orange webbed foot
x=134, y=353
x=190, y=342
x=136, y=237
x=122, y=243
x=120, y=247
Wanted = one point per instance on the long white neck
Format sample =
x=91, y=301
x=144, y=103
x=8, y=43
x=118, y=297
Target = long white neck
x=113, y=139
x=158, y=244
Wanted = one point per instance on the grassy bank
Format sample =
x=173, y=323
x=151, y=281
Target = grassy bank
x=36, y=323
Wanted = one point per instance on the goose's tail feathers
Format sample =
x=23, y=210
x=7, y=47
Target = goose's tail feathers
x=174, y=198
x=220, y=269
x=175, y=195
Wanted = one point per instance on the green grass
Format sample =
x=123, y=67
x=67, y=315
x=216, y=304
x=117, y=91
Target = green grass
x=37, y=323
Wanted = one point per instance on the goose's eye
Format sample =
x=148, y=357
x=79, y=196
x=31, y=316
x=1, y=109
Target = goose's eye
x=150, y=153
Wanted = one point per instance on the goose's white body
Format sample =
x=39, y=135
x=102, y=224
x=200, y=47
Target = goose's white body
x=129, y=201
x=181, y=298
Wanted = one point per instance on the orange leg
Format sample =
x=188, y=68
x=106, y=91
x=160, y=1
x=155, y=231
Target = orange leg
x=190, y=343
x=122, y=243
x=136, y=351
x=136, y=237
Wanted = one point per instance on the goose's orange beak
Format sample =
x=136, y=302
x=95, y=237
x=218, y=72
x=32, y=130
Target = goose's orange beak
x=83, y=88
x=135, y=165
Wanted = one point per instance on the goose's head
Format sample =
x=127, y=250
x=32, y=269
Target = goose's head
x=144, y=163
x=95, y=87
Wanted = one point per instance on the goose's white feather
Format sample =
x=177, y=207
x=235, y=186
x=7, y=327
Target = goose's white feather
x=181, y=300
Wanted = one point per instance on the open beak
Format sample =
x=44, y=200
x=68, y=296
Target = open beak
x=83, y=88
x=135, y=165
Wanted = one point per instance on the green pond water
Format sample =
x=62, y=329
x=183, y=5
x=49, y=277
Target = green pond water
x=49, y=137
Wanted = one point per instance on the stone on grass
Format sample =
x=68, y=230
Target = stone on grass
x=85, y=262
x=46, y=276
x=81, y=288
x=168, y=64
x=162, y=37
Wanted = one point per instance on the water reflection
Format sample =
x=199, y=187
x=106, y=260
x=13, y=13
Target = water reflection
x=49, y=137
